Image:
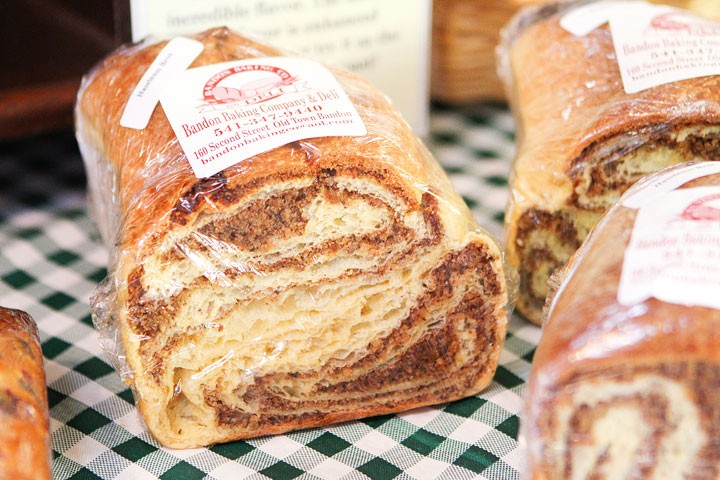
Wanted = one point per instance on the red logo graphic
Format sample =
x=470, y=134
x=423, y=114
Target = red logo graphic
x=266, y=83
x=680, y=21
x=701, y=210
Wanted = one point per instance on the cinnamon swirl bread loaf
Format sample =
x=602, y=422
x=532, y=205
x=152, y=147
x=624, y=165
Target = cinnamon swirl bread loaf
x=25, y=433
x=631, y=389
x=328, y=279
x=583, y=140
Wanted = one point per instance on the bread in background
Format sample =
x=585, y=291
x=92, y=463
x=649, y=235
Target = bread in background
x=465, y=34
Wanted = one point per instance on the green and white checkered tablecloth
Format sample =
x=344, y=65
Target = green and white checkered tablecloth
x=51, y=259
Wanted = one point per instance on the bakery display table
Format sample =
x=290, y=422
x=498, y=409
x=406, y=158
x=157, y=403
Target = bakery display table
x=51, y=259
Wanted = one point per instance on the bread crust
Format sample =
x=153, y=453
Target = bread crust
x=589, y=338
x=577, y=128
x=387, y=173
x=25, y=432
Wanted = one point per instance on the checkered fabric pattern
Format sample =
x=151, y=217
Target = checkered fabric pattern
x=51, y=260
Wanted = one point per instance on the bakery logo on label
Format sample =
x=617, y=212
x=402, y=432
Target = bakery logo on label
x=674, y=250
x=225, y=113
x=681, y=21
x=268, y=82
x=703, y=209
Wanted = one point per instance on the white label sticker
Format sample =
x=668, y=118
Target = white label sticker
x=668, y=182
x=175, y=57
x=227, y=112
x=583, y=20
x=657, y=45
x=654, y=44
x=674, y=251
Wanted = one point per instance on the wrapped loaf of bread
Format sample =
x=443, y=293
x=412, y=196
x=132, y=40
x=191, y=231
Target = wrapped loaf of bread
x=626, y=379
x=465, y=34
x=25, y=432
x=583, y=140
x=325, y=280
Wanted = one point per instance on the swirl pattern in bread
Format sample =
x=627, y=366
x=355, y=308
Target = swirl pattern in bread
x=622, y=391
x=325, y=280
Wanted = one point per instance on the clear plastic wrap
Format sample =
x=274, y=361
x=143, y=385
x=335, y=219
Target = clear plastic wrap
x=466, y=33
x=629, y=388
x=25, y=435
x=328, y=279
x=582, y=139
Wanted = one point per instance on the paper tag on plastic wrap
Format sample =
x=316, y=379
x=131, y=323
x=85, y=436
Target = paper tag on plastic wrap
x=583, y=20
x=227, y=112
x=175, y=57
x=669, y=182
x=654, y=44
x=657, y=45
x=674, y=251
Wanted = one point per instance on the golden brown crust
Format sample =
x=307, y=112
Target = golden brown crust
x=594, y=273
x=25, y=434
x=465, y=35
x=575, y=96
x=577, y=125
x=588, y=338
x=256, y=209
x=142, y=157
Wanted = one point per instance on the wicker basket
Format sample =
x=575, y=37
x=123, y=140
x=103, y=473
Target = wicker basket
x=464, y=36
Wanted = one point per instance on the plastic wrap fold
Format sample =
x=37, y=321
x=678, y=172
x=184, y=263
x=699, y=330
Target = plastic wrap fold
x=583, y=140
x=325, y=280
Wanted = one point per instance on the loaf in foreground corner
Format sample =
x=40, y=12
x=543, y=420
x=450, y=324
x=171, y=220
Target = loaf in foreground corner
x=24, y=418
x=626, y=379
